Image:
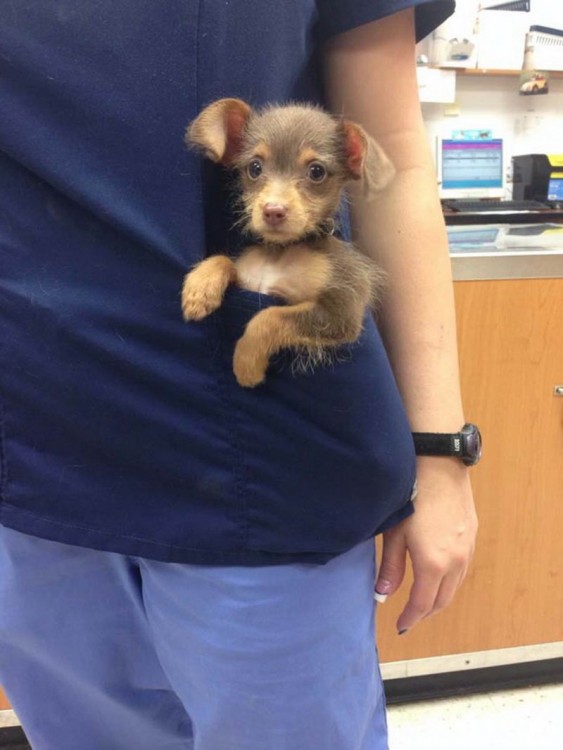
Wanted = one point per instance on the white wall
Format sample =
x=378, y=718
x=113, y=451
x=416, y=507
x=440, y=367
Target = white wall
x=529, y=124
x=498, y=35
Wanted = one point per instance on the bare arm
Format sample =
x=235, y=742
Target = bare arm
x=371, y=77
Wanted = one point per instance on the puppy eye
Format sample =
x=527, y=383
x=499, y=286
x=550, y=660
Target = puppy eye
x=254, y=169
x=316, y=172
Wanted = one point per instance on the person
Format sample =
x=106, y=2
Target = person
x=185, y=563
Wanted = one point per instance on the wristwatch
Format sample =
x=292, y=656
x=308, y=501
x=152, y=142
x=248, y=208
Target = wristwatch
x=466, y=444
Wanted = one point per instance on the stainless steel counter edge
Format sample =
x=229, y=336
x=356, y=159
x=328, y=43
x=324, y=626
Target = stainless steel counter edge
x=467, y=267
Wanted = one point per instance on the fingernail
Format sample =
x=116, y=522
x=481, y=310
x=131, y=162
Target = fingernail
x=403, y=631
x=380, y=598
x=383, y=587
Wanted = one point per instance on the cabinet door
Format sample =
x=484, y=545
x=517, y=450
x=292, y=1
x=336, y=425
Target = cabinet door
x=511, y=357
x=3, y=701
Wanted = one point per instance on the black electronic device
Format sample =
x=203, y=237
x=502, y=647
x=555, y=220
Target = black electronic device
x=538, y=177
x=465, y=444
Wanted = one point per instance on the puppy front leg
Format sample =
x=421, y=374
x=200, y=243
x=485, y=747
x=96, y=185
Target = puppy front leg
x=269, y=331
x=307, y=325
x=204, y=286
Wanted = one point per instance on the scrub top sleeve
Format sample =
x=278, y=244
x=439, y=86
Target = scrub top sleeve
x=338, y=16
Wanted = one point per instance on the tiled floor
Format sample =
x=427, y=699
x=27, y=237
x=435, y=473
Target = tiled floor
x=516, y=719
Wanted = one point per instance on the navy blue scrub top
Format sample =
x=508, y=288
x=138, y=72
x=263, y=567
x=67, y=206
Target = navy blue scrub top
x=122, y=427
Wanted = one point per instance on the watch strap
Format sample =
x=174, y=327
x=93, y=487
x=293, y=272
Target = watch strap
x=438, y=444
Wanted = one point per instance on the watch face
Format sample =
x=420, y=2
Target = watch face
x=472, y=444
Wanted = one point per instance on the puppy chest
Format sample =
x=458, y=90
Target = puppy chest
x=296, y=274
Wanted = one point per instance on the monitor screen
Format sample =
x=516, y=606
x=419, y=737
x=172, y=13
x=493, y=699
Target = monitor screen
x=555, y=189
x=471, y=167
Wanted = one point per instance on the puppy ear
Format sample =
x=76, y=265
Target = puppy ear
x=218, y=129
x=365, y=159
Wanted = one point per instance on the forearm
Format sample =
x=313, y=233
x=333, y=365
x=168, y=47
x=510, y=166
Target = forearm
x=402, y=228
x=404, y=232
x=371, y=78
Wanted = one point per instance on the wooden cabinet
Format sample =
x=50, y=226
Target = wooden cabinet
x=511, y=356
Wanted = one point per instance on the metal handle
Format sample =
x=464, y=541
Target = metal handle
x=558, y=390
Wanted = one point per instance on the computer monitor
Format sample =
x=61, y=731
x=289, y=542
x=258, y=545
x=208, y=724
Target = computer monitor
x=470, y=168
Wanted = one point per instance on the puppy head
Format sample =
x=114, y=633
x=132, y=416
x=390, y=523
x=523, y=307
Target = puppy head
x=293, y=162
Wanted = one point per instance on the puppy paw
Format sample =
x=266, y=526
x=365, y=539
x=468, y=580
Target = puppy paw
x=249, y=367
x=200, y=297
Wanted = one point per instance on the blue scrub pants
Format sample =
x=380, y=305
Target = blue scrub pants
x=100, y=651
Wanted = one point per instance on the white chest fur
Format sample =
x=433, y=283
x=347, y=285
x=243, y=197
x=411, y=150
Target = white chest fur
x=296, y=273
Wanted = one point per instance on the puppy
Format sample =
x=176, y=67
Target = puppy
x=291, y=163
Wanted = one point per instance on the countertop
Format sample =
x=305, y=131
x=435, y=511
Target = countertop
x=506, y=251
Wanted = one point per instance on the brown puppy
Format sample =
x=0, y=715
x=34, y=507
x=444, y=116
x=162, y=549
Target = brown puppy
x=292, y=163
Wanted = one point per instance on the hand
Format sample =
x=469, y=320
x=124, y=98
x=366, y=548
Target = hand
x=439, y=538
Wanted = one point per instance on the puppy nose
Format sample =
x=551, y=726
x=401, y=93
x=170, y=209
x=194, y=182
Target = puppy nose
x=274, y=214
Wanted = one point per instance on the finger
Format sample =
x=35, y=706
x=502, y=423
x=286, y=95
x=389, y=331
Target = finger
x=447, y=591
x=450, y=586
x=421, y=600
x=393, y=564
